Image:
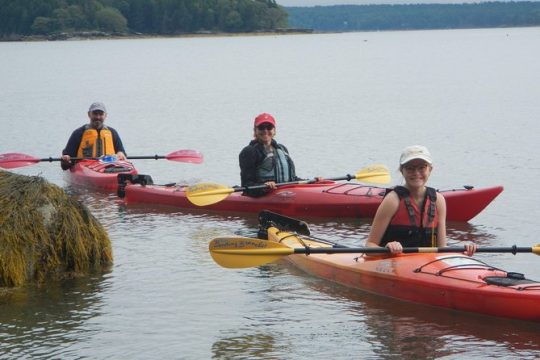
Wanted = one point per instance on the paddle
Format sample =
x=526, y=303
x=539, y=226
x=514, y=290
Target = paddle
x=210, y=193
x=248, y=252
x=15, y=160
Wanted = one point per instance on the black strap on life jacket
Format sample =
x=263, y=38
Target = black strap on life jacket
x=413, y=235
x=403, y=193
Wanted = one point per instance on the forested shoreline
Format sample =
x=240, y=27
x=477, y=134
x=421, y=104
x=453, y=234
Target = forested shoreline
x=64, y=19
x=141, y=17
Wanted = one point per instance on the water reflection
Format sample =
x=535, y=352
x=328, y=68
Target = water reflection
x=46, y=320
x=251, y=346
x=463, y=232
x=111, y=210
x=398, y=329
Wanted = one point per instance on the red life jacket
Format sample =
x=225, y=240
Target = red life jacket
x=412, y=225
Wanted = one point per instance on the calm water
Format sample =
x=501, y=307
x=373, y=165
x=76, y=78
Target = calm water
x=342, y=101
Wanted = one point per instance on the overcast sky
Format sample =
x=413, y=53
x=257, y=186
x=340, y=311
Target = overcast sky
x=365, y=2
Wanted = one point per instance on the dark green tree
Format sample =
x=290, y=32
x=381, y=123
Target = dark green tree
x=111, y=20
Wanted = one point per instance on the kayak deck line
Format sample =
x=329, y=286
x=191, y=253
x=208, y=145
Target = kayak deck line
x=353, y=187
x=512, y=278
x=111, y=167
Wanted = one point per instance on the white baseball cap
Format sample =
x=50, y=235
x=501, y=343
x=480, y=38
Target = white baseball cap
x=415, y=152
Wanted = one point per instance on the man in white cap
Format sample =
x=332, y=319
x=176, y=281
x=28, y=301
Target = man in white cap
x=93, y=139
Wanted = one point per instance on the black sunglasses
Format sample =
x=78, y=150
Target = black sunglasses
x=265, y=127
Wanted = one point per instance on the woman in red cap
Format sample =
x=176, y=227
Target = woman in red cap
x=264, y=161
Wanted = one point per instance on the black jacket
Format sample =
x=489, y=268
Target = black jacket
x=251, y=157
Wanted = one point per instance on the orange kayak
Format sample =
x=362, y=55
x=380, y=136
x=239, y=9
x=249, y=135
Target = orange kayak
x=453, y=281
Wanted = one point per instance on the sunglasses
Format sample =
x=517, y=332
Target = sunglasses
x=263, y=127
x=412, y=169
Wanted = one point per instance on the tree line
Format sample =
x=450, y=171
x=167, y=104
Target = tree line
x=417, y=16
x=169, y=17
x=161, y=17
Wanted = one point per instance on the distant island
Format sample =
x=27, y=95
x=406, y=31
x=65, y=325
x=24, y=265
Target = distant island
x=61, y=19
x=415, y=16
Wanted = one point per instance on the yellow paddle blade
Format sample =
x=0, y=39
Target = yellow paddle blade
x=536, y=249
x=207, y=193
x=376, y=173
x=246, y=252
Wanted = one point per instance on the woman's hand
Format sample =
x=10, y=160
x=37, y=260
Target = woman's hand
x=395, y=247
x=271, y=185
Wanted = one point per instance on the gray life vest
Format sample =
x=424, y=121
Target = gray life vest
x=274, y=167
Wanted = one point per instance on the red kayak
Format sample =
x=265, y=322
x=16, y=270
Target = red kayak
x=453, y=280
x=323, y=199
x=98, y=174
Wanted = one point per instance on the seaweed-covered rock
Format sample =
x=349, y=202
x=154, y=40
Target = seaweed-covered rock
x=44, y=232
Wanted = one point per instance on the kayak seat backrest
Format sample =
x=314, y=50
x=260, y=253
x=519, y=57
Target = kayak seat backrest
x=124, y=179
x=285, y=223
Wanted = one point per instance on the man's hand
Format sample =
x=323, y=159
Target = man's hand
x=121, y=156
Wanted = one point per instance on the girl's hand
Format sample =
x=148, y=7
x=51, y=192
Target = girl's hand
x=470, y=249
x=395, y=247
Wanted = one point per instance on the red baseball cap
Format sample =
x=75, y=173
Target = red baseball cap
x=264, y=118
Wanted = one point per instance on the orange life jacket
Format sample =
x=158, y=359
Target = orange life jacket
x=96, y=143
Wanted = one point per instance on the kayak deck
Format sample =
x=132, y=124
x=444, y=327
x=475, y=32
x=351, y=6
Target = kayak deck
x=323, y=199
x=98, y=174
x=453, y=281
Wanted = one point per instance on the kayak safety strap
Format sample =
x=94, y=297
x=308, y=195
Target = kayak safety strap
x=306, y=247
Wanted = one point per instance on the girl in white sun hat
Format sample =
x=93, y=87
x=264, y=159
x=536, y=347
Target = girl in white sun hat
x=413, y=215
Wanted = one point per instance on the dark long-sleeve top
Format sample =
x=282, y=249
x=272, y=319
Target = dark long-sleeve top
x=251, y=157
x=75, y=139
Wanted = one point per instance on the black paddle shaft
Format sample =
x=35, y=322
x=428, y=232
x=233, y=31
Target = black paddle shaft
x=408, y=250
